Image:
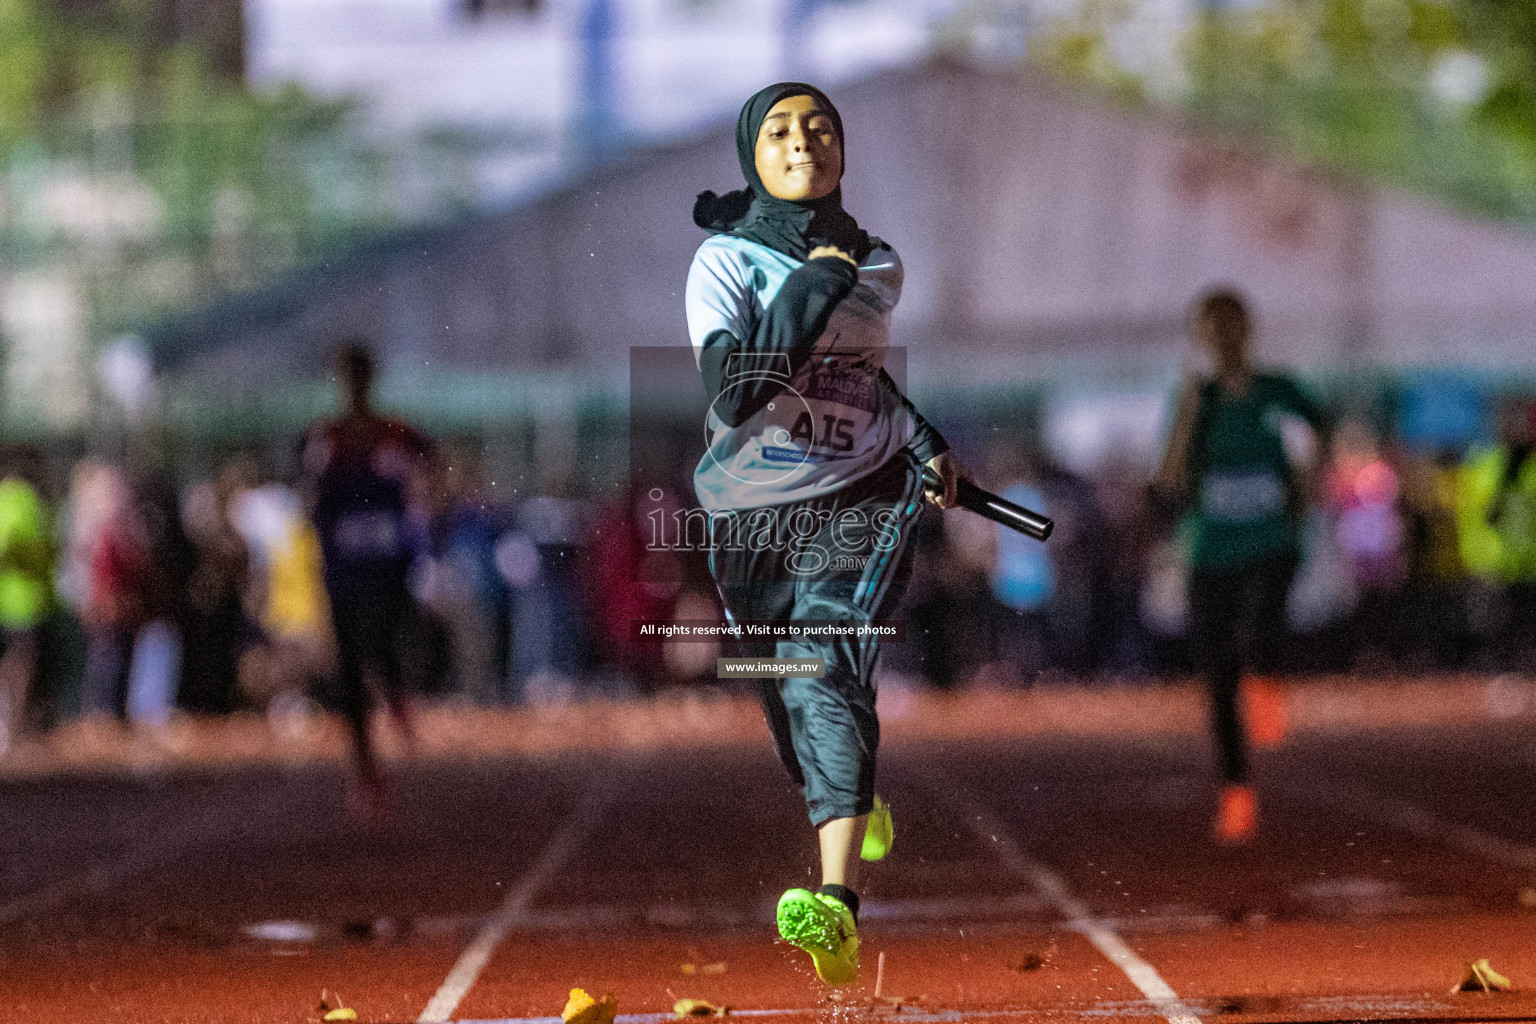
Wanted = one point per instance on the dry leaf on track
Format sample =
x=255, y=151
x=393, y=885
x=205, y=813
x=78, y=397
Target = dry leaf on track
x=333, y=1008
x=1034, y=959
x=699, y=1008
x=581, y=1008
x=1481, y=977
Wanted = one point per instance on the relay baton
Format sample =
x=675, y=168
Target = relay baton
x=989, y=506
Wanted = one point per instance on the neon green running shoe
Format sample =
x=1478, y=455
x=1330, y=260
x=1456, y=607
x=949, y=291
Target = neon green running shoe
x=879, y=832
x=823, y=926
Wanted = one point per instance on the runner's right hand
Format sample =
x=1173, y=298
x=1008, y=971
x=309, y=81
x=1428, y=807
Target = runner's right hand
x=829, y=250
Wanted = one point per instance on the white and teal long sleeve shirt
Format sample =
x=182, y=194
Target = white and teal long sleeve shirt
x=792, y=354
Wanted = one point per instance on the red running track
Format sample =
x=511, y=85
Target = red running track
x=1036, y=877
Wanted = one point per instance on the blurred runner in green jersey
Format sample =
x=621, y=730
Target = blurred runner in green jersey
x=1227, y=463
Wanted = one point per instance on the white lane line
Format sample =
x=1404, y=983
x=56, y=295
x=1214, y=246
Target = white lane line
x=1416, y=821
x=634, y=1018
x=1099, y=1012
x=1362, y=1007
x=995, y=909
x=907, y=1016
x=911, y=915
x=1161, y=995
x=514, y=908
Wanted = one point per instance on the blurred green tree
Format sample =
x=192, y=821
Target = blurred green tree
x=1505, y=31
x=1438, y=96
x=128, y=163
x=1393, y=89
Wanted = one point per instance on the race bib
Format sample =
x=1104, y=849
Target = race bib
x=1242, y=497
x=364, y=536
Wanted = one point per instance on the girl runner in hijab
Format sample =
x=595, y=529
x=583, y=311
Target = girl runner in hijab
x=813, y=476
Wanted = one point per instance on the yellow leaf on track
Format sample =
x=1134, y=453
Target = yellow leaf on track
x=581, y=1008
x=342, y=1013
x=1481, y=977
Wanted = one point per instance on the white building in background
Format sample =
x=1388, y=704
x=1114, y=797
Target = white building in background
x=543, y=83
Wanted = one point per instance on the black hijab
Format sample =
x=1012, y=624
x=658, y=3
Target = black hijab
x=793, y=228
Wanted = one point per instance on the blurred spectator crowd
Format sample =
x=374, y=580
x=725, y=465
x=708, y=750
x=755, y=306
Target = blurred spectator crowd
x=128, y=595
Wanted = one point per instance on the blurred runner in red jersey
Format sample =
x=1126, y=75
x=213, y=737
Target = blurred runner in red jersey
x=361, y=469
